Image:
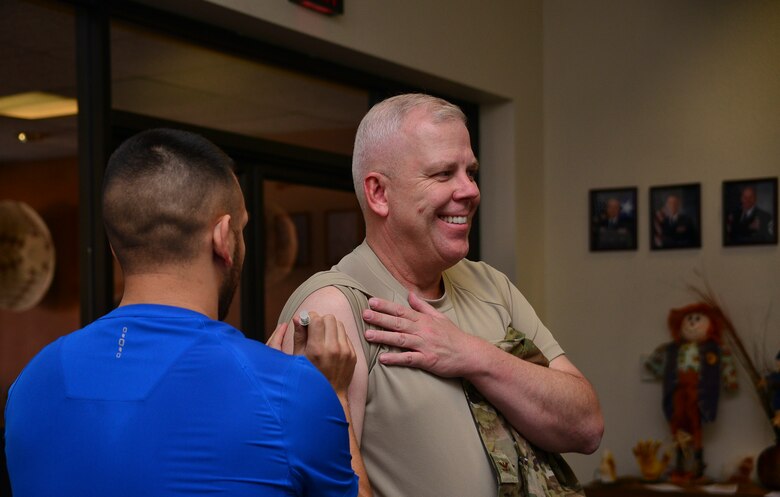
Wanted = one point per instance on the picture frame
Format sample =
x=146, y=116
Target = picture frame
x=302, y=223
x=675, y=216
x=344, y=230
x=750, y=212
x=613, y=219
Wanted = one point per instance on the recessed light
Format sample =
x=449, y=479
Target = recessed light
x=30, y=136
x=37, y=105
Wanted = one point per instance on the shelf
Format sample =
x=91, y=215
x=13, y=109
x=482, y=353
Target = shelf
x=634, y=488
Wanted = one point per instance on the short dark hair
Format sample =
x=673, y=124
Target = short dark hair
x=161, y=188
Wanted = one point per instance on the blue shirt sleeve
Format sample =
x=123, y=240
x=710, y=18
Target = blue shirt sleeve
x=317, y=431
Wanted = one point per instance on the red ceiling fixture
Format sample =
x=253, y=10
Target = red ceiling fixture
x=327, y=7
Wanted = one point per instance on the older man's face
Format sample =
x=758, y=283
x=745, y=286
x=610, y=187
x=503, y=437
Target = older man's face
x=748, y=198
x=432, y=195
x=613, y=208
x=672, y=205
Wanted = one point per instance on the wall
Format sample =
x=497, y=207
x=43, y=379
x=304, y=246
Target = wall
x=645, y=93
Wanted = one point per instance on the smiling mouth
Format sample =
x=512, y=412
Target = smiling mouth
x=454, y=219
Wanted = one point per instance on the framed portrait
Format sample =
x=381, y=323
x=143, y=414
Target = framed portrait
x=675, y=217
x=750, y=212
x=302, y=223
x=613, y=214
x=344, y=230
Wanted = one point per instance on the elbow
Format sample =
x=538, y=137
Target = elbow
x=591, y=435
x=592, y=427
x=582, y=436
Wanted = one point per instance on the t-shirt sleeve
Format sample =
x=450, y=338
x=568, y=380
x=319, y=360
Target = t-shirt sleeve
x=318, y=436
x=524, y=318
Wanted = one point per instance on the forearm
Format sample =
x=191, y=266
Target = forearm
x=364, y=486
x=555, y=408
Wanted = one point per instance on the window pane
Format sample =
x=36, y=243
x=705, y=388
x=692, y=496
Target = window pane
x=308, y=229
x=37, y=54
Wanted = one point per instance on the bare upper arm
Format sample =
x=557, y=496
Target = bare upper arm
x=330, y=300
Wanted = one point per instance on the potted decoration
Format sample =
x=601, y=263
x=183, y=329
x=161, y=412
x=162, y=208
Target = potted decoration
x=767, y=387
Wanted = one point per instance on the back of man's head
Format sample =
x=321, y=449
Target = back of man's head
x=161, y=191
x=374, y=147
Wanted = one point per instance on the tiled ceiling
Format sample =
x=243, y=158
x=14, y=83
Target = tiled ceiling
x=166, y=78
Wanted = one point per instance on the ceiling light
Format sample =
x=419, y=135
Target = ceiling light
x=37, y=105
x=30, y=136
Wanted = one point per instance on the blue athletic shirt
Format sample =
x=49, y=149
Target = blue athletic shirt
x=153, y=400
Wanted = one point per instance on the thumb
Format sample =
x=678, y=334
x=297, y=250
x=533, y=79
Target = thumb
x=277, y=337
x=422, y=306
x=300, y=336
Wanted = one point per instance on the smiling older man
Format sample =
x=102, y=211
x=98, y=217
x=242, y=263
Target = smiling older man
x=430, y=364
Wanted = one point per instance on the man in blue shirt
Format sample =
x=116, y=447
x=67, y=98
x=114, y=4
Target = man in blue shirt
x=158, y=397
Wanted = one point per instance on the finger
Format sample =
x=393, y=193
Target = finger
x=407, y=359
x=390, y=308
x=319, y=326
x=422, y=306
x=387, y=321
x=300, y=336
x=345, y=338
x=277, y=337
x=394, y=339
x=316, y=335
x=389, y=315
x=329, y=337
x=328, y=341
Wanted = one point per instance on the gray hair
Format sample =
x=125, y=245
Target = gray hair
x=382, y=123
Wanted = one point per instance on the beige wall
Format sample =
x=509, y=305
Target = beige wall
x=580, y=95
x=647, y=93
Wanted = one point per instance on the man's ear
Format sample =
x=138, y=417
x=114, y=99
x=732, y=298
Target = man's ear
x=221, y=240
x=375, y=191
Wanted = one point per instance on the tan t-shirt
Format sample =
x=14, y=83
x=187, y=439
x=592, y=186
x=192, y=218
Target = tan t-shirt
x=419, y=438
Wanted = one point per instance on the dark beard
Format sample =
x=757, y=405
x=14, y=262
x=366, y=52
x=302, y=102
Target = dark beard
x=228, y=288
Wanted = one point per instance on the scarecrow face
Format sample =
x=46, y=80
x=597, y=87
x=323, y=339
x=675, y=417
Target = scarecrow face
x=695, y=327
